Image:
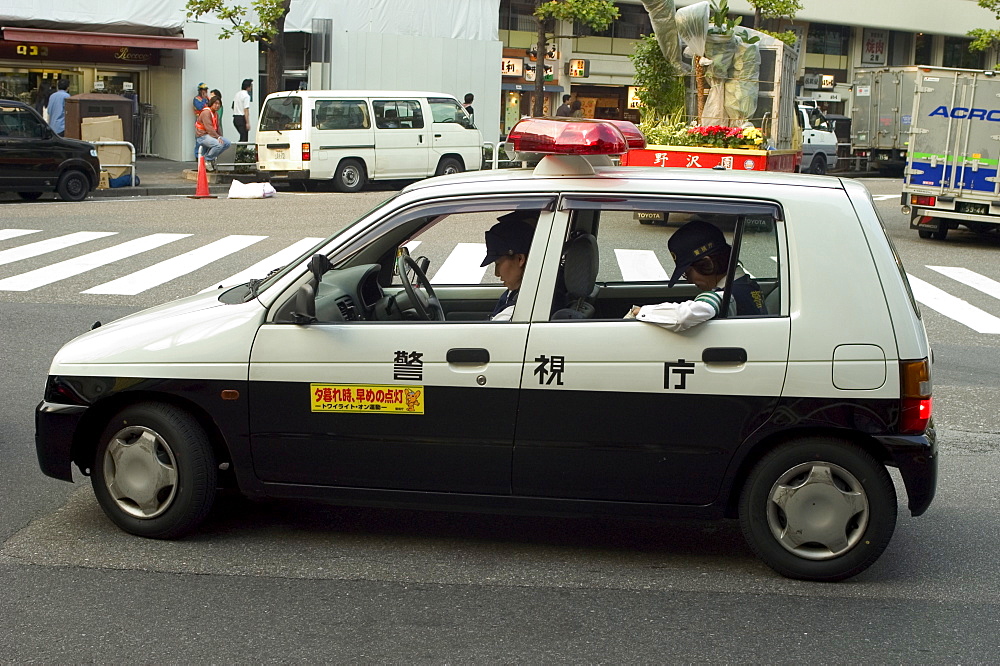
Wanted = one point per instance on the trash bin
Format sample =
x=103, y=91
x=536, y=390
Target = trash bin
x=95, y=105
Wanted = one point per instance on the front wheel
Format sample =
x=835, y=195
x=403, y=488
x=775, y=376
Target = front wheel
x=818, y=165
x=350, y=176
x=73, y=186
x=818, y=509
x=154, y=471
x=29, y=196
x=447, y=166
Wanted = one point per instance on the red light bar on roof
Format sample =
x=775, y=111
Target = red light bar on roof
x=567, y=136
x=635, y=139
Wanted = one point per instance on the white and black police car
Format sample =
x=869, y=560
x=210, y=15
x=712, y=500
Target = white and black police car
x=369, y=372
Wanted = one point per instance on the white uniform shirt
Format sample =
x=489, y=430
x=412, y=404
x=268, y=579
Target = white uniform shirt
x=679, y=317
x=241, y=102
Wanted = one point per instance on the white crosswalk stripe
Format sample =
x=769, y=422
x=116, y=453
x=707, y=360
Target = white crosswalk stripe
x=14, y=233
x=971, y=278
x=50, y=245
x=66, y=269
x=954, y=307
x=262, y=268
x=462, y=265
x=884, y=197
x=173, y=268
x=640, y=266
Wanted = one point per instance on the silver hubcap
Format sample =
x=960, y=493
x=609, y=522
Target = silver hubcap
x=351, y=176
x=817, y=510
x=140, y=472
x=450, y=169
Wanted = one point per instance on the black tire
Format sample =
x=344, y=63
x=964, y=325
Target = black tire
x=350, y=176
x=449, y=165
x=29, y=196
x=924, y=233
x=790, y=533
x=154, y=471
x=818, y=165
x=73, y=186
x=941, y=233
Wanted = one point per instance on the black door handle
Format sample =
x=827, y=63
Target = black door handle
x=475, y=355
x=437, y=136
x=724, y=355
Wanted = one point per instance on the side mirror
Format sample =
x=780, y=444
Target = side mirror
x=305, y=304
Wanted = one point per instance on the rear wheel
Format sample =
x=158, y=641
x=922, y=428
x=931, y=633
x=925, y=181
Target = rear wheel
x=350, y=176
x=73, y=186
x=154, y=471
x=29, y=196
x=448, y=165
x=818, y=509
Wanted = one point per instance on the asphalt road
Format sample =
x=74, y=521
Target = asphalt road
x=297, y=582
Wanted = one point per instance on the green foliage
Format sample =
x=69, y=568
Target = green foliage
x=597, y=14
x=661, y=85
x=983, y=40
x=721, y=23
x=775, y=9
x=787, y=36
x=268, y=13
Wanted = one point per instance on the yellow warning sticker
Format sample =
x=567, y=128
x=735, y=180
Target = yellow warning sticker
x=367, y=398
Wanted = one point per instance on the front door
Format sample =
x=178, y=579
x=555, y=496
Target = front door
x=27, y=159
x=619, y=409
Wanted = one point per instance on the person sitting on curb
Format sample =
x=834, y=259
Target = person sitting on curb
x=210, y=141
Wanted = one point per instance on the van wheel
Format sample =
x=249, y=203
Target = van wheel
x=350, y=176
x=448, y=165
x=73, y=186
x=818, y=165
x=818, y=509
x=29, y=196
x=154, y=471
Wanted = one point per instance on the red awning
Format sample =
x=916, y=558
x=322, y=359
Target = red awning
x=97, y=38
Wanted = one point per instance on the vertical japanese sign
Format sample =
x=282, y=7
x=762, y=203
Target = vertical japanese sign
x=874, y=47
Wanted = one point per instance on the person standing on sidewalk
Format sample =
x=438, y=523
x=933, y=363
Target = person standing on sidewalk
x=241, y=110
x=57, y=108
x=206, y=129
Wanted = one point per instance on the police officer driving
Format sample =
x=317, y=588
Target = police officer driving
x=507, y=245
x=701, y=254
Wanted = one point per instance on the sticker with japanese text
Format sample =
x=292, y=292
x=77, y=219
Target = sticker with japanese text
x=367, y=398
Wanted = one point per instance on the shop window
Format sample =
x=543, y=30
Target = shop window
x=900, y=44
x=922, y=49
x=828, y=39
x=957, y=54
x=517, y=15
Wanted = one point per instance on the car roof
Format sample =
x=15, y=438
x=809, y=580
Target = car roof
x=361, y=93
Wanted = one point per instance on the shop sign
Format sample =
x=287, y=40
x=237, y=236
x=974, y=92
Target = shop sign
x=633, y=97
x=811, y=81
x=78, y=53
x=827, y=82
x=578, y=68
x=874, y=47
x=511, y=67
x=529, y=72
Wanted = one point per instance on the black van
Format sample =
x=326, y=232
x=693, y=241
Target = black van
x=34, y=159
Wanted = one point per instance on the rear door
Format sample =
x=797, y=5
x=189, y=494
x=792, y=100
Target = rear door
x=341, y=128
x=620, y=409
x=402, y=142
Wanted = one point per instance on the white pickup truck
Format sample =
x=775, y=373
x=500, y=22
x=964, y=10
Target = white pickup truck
x=819, y=143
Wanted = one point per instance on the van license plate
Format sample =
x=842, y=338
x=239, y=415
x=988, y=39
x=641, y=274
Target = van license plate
x=281, y=155
x=974, y=208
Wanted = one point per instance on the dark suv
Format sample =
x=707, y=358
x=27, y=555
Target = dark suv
x=34, y=159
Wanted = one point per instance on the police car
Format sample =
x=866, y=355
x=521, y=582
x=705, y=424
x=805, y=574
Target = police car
x=369, y=372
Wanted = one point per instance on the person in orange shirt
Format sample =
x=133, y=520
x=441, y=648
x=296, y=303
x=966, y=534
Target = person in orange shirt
x=207, y=135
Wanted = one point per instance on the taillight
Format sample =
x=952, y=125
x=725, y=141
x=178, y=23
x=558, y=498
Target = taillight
x=306, y=152
x=916, y=200
x=915, y=396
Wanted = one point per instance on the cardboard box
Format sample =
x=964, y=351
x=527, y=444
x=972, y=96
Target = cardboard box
x=114, y=155
x=103, y=184
x=107, y=128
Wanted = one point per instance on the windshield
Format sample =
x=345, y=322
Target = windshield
x=281, y=114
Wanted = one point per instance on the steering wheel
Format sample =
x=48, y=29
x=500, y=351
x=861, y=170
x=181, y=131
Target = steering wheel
x=420, y=295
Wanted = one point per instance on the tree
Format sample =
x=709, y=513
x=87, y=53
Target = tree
x=983, y=39
x=596, y=14
x=268, y=30
x=770, y=10
x=660, y=83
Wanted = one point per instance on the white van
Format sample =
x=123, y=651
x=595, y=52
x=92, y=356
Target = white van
x=354, y=136
x=819, y=143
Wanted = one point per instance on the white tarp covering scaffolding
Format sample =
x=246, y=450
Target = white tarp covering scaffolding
x=450, y=19
x=165, y=17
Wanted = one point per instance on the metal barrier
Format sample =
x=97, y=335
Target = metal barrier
x=130, y=165
x=497, y=163
x=235, y=145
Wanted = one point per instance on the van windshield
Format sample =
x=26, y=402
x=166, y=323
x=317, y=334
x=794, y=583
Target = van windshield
x=281, y=114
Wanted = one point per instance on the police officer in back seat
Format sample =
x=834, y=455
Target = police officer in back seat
x=702, y=255
x=507, y=245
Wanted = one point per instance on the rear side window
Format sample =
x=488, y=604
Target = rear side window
x=281, y=114
x=333, y=114
x=398, y=114
x=19, y=123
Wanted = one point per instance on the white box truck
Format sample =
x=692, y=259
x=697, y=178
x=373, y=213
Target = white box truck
x=954, y=152
x=881, y=115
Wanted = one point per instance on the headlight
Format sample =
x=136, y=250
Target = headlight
x=93, y=152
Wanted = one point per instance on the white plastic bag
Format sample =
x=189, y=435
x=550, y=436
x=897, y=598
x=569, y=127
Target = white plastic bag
x=240, y=190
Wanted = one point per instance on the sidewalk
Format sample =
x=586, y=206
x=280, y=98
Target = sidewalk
x=159, y=176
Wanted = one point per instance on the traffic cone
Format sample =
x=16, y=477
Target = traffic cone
x=201, y=191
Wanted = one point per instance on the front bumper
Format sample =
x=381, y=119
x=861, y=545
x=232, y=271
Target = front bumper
x=916, y=456
x=55, y=428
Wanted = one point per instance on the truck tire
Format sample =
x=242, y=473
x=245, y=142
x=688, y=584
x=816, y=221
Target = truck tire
x=818, y=165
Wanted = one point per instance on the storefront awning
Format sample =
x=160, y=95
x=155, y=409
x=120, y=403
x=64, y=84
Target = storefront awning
x=528, y=87
x=32, y=35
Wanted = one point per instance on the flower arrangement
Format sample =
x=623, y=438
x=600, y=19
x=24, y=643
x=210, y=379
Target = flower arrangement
x=713, y=136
